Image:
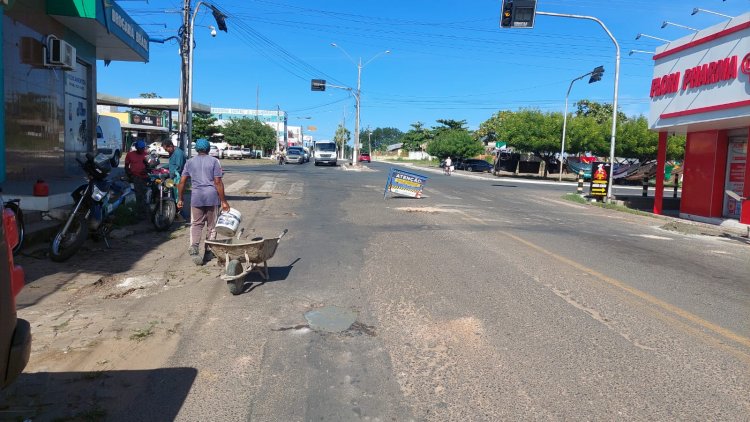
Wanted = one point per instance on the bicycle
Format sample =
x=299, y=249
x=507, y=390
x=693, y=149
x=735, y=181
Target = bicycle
x=13, y=205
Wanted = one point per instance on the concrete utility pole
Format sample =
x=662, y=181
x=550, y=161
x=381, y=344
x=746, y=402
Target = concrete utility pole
x=184, y=79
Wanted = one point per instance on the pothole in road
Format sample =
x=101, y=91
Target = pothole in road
x=332, y=319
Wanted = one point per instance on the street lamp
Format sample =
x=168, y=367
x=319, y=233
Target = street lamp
x=355, y=154
x=667, y=23
x=640, y=51
x=187, y=123
x=696, y=10
x=651, y=36
x=596, y=76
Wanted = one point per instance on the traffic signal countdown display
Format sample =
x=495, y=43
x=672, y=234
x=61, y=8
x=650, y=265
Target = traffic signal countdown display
x=518, y=14
x=318, y=85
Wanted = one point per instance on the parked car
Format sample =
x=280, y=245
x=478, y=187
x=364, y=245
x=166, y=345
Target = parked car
x=234, y=153
x=247, y=153
x=109, y=138
x=214, y=151
x=474, y=164
x=15, y=333
x=293, y=156
x=157, y=148
x=364, y=157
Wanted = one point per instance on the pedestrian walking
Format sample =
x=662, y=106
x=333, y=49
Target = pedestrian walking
x=135, y=170
x=207, y=194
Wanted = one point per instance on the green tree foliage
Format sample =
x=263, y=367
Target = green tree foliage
x=380, y=138
x=450, y=124
x=600, y=112
x=585, y=134
x=342, y=137
x=250, y=133
x=532, y=131
x=204, y=126
x=416, y=137
x=454, y=143
x=149, y=112
x=636, y=141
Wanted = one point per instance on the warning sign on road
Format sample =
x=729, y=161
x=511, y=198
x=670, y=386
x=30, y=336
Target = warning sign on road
x=405, y=183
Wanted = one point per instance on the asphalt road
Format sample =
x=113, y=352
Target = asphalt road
x=488, y=299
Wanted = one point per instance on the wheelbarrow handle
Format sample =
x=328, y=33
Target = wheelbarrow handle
x=283, y=233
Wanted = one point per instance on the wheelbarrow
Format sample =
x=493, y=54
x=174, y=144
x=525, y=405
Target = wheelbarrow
x=234, y=252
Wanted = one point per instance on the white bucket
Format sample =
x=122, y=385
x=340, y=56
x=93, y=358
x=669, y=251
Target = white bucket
x=228, y=222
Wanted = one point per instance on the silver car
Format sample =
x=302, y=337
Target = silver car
x=294, y=157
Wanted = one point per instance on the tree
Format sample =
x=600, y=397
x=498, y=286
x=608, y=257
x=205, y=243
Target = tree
x=635, y=140
x=454, y=143
x=204, y=126
x=585, y=134
x=600, y=112
x=416, y=137
x=250, y=133
x=341, y=138
x=380, y=138
x=450, y=124
x=530, y=130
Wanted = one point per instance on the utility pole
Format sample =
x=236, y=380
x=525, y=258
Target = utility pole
x=369, y=142
x=355, y=153
x=184, y=79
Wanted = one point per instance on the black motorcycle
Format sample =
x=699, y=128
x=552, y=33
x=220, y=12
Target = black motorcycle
x=95, y=205
x=161, y=199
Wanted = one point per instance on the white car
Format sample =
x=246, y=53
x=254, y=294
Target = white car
x=156, y=147
x=234, y=152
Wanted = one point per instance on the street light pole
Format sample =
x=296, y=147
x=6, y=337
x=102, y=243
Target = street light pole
x=357, y=97
x=617, y=86
x=598, y=71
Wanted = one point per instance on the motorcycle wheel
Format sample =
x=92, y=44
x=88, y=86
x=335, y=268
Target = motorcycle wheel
x=63, y=247
x=164, y=219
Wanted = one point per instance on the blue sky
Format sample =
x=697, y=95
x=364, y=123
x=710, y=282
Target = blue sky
x=448, y=59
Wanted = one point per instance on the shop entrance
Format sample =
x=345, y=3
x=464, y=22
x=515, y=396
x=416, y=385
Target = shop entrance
x=735, y=177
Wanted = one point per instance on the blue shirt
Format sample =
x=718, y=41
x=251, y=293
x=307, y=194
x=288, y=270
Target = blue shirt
x=202, y=169
x=176, y=163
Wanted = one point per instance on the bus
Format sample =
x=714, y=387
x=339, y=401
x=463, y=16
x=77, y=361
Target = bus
x=325, y=152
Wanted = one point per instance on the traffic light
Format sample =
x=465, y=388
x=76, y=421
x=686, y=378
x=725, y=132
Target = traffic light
x=506, y=18
x=596, y=74
x=318, y=85
x=518, y=14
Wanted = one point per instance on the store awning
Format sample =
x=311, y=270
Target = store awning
x=170, y=104
x=104, y=24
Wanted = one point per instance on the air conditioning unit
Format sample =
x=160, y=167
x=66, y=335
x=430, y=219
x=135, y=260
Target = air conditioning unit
x=60, y=53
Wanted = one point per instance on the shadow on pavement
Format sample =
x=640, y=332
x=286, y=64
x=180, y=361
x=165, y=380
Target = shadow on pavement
x=505, y=186
x=137, y=395
x=254, y=280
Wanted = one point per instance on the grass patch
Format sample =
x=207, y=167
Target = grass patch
x=578, y=199
x=126, y=214
x=143, y=333
x=574, y=197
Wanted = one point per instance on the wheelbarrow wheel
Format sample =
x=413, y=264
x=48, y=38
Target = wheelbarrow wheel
x=235, y=286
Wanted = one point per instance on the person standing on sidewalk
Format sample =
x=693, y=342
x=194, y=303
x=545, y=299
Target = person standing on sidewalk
x=205, y=175
x=135, y=169
x=176, y=165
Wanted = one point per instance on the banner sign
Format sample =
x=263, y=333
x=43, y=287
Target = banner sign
x=599, y=179
x=405, y=183
x=146, y=120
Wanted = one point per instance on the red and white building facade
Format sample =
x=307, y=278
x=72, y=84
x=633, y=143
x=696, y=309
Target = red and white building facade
x=701, y=88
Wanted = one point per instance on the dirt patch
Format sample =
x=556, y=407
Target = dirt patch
x=694, y=229
x=429, y=210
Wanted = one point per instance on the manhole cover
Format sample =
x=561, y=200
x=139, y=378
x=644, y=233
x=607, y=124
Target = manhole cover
x=331, y=319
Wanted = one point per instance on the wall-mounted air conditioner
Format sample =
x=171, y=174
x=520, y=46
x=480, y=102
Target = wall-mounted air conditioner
x=60, y=54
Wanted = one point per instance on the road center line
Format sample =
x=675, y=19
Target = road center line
x=727, y=334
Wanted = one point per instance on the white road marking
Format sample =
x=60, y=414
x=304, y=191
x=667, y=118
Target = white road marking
x=651, y=236
x=484, y=199
x=267, y=187
x=234, y=187
x=296, y=190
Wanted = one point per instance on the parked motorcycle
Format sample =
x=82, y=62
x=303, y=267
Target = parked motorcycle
x=161, y=199
x=95, y=205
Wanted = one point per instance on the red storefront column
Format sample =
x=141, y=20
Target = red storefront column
x=661, y=160
x=745, y=212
